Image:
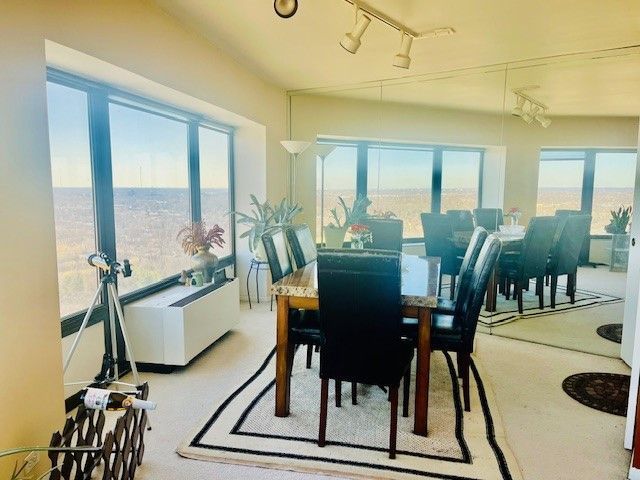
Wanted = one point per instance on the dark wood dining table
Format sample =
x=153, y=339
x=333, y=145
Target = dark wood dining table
x=420, y=277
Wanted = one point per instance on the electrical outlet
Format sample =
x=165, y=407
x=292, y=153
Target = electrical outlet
x=31, y=461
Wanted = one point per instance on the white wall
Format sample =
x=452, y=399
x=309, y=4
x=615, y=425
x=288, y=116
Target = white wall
x=137, y=37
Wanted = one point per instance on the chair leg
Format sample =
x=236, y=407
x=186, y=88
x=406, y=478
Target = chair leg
x=466, y=359
x=554, y=288
x=271, y=307
x=518, y=291
x=526, y=285
x=338, y=393
x=324, y=399
x=317, y=348
x=571, y=287
x=540, y=292
x=440, y=285
x=406, y=384
x=546, y=279
x=460, y=363
x=452, y=290
x=354, y=393
x=309, y=354
x=393, y=431
x=507, y=288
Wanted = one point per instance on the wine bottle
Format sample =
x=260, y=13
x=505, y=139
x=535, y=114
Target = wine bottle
x=101, y=399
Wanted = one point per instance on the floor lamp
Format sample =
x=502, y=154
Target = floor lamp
x=295, y=148
x=322, y=152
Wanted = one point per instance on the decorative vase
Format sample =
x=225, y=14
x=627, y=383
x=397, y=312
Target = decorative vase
x=334, y=236
x=357, y=242
x=204, y=261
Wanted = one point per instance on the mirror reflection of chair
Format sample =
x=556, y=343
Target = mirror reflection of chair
x=386, y=233
x=461, y=220
x=586, y=245
x=303, y=325
x=361, y=312
x=489, y=218
x=438, y=242
x=302, y=244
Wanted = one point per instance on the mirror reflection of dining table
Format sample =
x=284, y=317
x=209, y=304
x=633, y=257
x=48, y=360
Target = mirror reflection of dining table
x=299, y=290
x=510, y=242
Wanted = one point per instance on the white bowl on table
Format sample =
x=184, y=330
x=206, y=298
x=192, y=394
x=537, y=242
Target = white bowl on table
x=511, y=229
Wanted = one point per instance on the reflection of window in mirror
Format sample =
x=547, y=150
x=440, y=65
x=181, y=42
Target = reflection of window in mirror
x=560, y=181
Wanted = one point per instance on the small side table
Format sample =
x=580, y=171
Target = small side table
x=256, y=266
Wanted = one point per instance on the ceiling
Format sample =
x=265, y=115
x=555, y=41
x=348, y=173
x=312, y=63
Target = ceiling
x=303, y=52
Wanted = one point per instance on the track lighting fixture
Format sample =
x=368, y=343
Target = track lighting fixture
x=536, y=111
x=351, y=40
x=402, y=59
x=517, y=110
x=285, y=8
x=542, y=119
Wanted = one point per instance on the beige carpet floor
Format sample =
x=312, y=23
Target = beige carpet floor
x=551, y=436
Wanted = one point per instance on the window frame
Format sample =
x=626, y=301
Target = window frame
x=363, y=147
x=99, y=97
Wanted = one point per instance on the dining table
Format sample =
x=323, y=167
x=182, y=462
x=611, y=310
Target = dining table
x=299, y=290
x=511, y=241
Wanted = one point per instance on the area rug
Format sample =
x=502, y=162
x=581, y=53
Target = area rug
x=611, y=331
x=607, y=392
x=242, y=429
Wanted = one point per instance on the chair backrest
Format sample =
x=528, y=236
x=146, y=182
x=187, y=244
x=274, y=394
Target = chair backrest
x=360, y=313
x=461, y=220
x=302, y=245
x=275, y=246
x=566, y=213
x=438, y=239
x=386, y=233
x=488, y=218
x=586, y=245
x=565, y=254
x=470, y=302
x=469, y=261
x=536, y=247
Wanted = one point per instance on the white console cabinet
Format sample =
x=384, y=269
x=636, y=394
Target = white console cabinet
x=173, y=326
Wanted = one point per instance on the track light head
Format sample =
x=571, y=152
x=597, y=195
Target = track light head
x=531, y=114
x=402, y=59
x=351, y=41
x=517, y=110
x=285, y=8
x=543, y=120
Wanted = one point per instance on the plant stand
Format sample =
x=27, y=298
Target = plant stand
x=619, y=252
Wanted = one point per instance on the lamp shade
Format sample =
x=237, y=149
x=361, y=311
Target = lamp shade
x=294, y=146
x=324, y=150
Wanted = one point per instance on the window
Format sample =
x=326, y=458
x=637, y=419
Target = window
x=72, y=196
x=615, y=174
x=592, y=180
x=150, y=193
x=339, y=181
x=131, y=188
x=399, y=180
x=460, y=190
x=214, y=183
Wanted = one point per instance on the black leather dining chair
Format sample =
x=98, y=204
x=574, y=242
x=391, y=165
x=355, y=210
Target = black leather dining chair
x=489, y=218
x=386, y=233
x=586, y=245
x=302, y=245
x=454, y=332
x=360, y=322
x=304, y=327
x=565, y=253
x=438, y=242
x=531, y=260
x=461, y=220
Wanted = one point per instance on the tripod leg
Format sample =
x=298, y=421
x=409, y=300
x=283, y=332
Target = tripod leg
x=83, y=326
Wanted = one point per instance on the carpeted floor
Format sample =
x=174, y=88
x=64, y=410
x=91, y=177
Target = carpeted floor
x=551, y=435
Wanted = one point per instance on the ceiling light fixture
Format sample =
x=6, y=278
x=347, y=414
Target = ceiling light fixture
x=285, y=8
x=543, y=120
x=351, y=40
x=536, y=111
x=517, y=110
x=402, y=59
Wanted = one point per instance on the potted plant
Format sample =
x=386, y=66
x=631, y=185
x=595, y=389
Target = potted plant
x=264, y=218
x=334, y=232
x=618, y=226
x=197, y=241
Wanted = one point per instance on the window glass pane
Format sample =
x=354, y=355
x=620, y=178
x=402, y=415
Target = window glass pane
x=399, y=181
x=72, y=196
x=460, y=180
x=339, y=180
x=214, y=183
x=151, y=193
x=562, y=155
x=559, y=186
x=612, y=187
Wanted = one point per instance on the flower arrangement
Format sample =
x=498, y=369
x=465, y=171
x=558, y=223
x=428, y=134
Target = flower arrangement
x=514, y=213
x=196, y=237
x=620, y=220
x=360, y=234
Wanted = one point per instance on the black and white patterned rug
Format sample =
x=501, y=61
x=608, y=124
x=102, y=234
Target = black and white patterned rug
x=461, y=445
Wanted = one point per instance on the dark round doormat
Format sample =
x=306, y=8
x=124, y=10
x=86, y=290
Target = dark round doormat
x=611, y=331
x=607, y=392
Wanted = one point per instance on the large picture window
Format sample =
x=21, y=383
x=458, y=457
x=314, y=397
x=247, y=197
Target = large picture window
x=128, y=173
x=404, y=178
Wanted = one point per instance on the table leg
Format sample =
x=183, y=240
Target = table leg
x=282, y=360
x=492, y=294
x=422, y=373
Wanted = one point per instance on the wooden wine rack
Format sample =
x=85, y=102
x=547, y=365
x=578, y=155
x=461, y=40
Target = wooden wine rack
x=121, y=451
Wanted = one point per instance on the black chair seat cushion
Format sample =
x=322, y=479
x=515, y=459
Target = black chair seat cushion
x=304, y=327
